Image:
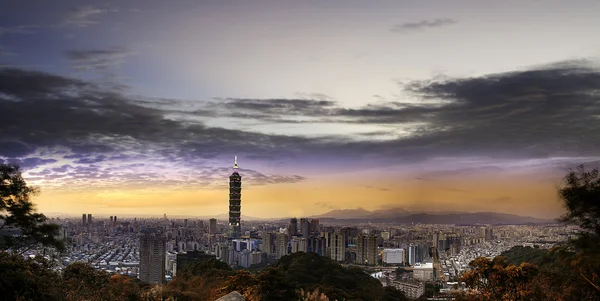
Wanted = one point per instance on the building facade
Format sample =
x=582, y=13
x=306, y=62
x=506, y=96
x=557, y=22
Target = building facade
x=336, y=246
x=235, y=202
x=366, y=249
x=393, y=256
x=212, y=226
x=281, y=245
x=152, y=257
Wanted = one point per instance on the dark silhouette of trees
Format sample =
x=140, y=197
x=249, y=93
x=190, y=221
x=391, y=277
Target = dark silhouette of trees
x=581, y=197
x=23, y=228
x=28, y=279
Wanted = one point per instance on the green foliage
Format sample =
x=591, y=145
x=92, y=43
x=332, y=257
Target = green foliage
x=199, y=281
x=581, y=197
x=36, y=279
x=518, y=254
x=18, y=213
x=310, y=271
x=392, y=294
x=497, y=280
x=28, y=279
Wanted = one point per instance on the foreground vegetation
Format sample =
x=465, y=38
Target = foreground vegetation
x=300, y=276
x=570, y=271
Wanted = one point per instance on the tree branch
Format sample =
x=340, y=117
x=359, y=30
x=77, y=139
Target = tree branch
x=590, y=281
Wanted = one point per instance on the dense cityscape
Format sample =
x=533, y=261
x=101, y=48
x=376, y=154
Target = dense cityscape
x=389, y=150
x=154, y=249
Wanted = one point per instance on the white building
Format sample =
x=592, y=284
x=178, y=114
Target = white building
x=244, y=258
x=393, y=256
x=423, y=271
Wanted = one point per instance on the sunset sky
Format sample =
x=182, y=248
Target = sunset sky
x=138, y=107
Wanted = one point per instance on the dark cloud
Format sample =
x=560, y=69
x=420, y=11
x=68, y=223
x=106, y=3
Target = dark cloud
x=91, y=160
x=539, y=113
x=413, y=26
x=97, y=59
x=14, y=149
x=546, y=112
x=28, y=163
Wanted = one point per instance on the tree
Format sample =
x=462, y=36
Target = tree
x=28, y=279
x=23, y=227
x=580, y=195
x=497, y=280
x=83, y=282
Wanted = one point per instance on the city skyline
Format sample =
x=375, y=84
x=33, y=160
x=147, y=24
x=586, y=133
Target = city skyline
x=112, y=108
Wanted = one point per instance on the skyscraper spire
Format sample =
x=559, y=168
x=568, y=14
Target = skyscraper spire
x=235, y=166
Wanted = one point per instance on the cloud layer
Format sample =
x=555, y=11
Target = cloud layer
x=69, y=130
x=423, y=24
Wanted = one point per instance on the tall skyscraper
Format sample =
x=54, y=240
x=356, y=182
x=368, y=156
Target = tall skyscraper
x=305, y=227
x=83, y=219
x=267, y=243
x=152, y=257
x=235, y=202
x=366, y=249
x=412, y=253
x=281, y=245
x=337, y=246
x=293, y=227
x=212, y=226
x=89, y=219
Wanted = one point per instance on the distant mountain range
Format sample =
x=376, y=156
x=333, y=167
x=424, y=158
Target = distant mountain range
x=394, y=215
x=400, y=215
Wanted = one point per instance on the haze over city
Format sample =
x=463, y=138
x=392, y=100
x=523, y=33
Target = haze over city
x=139, y=107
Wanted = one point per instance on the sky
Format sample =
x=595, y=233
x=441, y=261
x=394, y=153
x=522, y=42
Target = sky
x=138, y=107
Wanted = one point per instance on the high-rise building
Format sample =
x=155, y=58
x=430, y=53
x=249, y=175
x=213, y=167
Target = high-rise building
x=83, y=219
x=314, y=226
x=268, y=245
x=413, y=249
x=366, y=249
x=305, y=227
x=293, y=227
x=235, y=202
x=212, y=226
x=487, y=233
x=281, y=245
x=89, y=218
x=152, y=257
x=185, y=222
x=337, y=246
x=115, y=219
x=300, y=244
x=111, y=220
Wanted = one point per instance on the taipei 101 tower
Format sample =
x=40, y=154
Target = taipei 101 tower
x=235, y=202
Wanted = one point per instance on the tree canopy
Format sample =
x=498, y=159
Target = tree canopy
x=20, y=226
